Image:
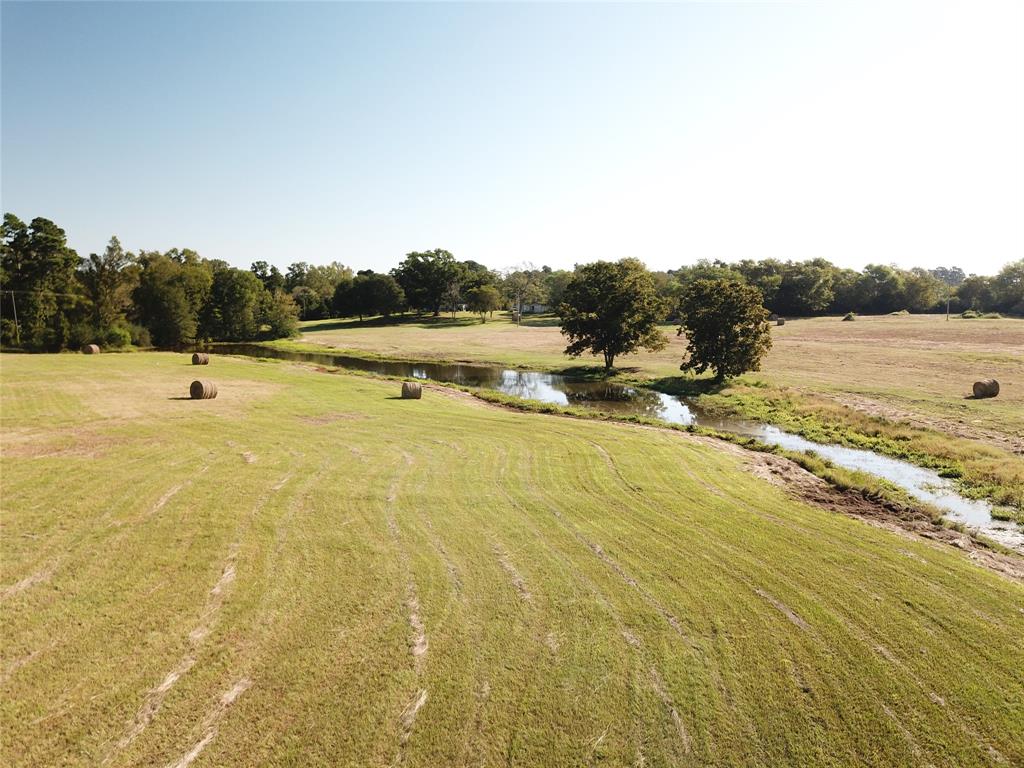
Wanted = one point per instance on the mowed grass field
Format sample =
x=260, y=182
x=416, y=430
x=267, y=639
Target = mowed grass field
x=917, y=367
x=308, y=571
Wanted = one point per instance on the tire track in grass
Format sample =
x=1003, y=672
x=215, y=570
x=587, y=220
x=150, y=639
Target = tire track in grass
x=418, y=643
x=18, y=663
x=656, y=682
x=614, y=467
x=209, y=726
x=449, y=565
x=889, y=657
x=212, y=721
x=47, y=572
x=784, y=609
x=643, y=530
x=513, y=573
x=612, y=564
x=154, y=699
x=44, y=574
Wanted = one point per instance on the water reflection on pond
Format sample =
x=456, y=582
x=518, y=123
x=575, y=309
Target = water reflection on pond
x=923, y=484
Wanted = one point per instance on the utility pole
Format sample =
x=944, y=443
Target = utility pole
x=17, y=329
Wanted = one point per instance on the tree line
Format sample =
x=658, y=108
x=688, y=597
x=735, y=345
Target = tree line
x=818, y=287
x=52, y=299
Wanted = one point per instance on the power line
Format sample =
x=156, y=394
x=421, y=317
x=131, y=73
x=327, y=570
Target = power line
x=48, y=293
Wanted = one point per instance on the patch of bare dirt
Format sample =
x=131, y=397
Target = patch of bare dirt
x=71, y=442
x=330, y=418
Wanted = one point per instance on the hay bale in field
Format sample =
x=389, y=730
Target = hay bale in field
x=203, y=390
x=849, y=316
x=411, y=390
x=780, y=321
x=91, y=349
x=986, y=388
x=200, y=358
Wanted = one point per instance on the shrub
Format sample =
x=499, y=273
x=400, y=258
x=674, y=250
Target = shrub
x=116, y=337
x=81, y=334
x=140, y=335
x=969, y=314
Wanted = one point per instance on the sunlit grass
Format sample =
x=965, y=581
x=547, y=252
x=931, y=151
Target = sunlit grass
x=584, y=591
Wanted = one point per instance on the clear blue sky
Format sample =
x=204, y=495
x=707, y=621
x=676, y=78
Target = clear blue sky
x=553, y=134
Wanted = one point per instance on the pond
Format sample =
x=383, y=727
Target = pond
x=923, y=484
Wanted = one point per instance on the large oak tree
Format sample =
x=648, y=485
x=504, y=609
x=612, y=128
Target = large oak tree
x=612, y=309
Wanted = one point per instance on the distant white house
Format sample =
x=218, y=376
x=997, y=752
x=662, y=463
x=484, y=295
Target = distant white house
x=535, y=309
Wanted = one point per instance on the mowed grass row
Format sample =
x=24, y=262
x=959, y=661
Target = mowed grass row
x=308, y=571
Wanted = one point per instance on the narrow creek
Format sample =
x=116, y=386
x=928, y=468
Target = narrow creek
x=923, y=484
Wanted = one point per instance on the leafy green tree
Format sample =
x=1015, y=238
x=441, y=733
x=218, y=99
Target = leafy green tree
x=233, y=310
x=368, y=293
x=279, y=316
x=343, y=302
x=726, y=327
x=524, y=285
x=805, y=289
x=171, y=292
x=1008, y=288
x=38, y=268
x=951, y=276
x=707, y=270
x=319, y=282
x=474, y=274
x=109, y=279
x=425, y=277
x=845, y=291
x=483, y=299
x=269, y=275
x=975, y=292
x=882, y=289
x=612, y=309
x=921, y=290
x=765, y=275
x=554, y=284
x=386, y=295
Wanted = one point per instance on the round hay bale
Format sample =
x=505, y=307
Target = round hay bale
x=203, y=390
x=986, y=388
x=411, y=390
x=200, y=358
x=849, y=317
x=91, y=349
x=780, y=321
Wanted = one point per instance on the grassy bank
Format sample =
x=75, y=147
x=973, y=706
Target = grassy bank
x=892, y=384
x=909, y=367
x=309, y=570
